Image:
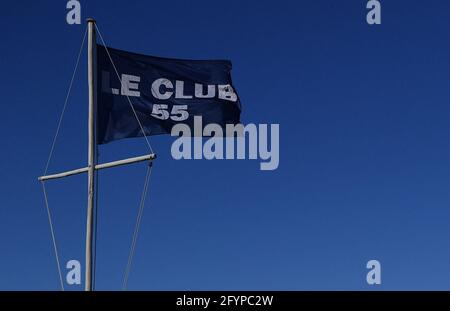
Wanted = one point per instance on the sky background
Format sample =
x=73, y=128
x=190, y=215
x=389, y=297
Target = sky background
x=364, y=149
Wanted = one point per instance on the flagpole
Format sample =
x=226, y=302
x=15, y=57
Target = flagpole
x=91, y=155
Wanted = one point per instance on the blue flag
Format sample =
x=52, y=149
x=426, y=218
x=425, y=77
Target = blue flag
x=163, y=92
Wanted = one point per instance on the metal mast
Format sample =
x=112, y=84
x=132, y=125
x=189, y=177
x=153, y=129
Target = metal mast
x=91, y=154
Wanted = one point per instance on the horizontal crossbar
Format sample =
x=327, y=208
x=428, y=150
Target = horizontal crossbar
x=149, y=157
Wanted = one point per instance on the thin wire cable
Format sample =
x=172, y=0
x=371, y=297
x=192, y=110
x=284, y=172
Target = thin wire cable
x=65, y=104
x=55, y=248
x=120, y=80
x=137, y=226
x=136, y=229
x=61, y=117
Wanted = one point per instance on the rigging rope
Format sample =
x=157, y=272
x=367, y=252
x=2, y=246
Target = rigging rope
x=137, y=226
x=65, y=104
x=147, y=178
x=120, y=80
x=55, y=248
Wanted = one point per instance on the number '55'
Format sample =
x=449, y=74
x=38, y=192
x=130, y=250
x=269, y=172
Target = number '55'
x=178, y=113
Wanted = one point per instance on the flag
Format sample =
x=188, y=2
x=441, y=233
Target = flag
x=162, y=91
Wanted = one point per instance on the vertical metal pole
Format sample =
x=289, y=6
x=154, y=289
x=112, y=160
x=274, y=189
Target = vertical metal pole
x=91, y=155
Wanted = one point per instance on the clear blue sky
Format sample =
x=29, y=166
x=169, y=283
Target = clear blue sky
x=364, y=162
